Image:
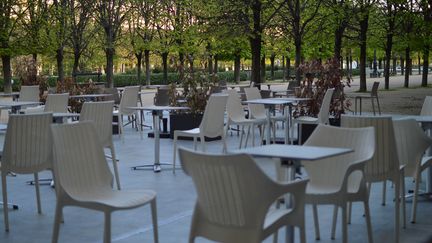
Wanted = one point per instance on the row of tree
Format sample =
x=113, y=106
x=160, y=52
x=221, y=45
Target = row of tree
x=205, y=32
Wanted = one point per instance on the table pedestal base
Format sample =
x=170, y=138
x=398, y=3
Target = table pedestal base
x=155, y=167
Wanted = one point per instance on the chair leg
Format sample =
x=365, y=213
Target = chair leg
x=195, y=143
x=316, y=223
x=5, y=209
x=302, y=232
x=373, y=106
x=384, y=193
x=107, y=228
x=402, y=198
x=120, y=125
x=333, y=230
x=38, y=202
x=397, y=211
x=349, y=212
x=241, y=137
x=114, y=162
x=379, y=108
x=57, y=219
x=154, y=220
x=344, y=224
x=414, y=200
x=202, y=140
x=368, y=220
x=175, y=151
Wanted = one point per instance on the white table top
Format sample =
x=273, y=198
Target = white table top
x=9, y=94
x=90, y=96
x=158, y=108
x=293, y=152
x=18, y=103
x=65, y=114
x=294, y=99
x=269, y=101
x=418, y=118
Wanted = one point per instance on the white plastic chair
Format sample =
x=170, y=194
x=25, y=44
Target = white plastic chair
x=427, y=107
x=233, y=206
x=27, y=150
x=323, y=115
x=211, y=126
x=372, y=96
x=412, y=142
x=57, y=103
x=83, y=178
x=129, y=99
x=101, y=114
x=236, y=116
x=257, y=111
x=339, y=180
x=29, y=93
x=384, y=165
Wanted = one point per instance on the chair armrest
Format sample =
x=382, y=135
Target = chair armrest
x=358, y=166
x=293, y=187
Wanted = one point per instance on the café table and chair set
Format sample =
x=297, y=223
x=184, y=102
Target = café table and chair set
x=341, y=164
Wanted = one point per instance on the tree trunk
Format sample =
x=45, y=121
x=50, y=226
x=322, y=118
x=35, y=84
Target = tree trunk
x=288, y=67
x=255, y=42
x=283, y=69
x=138, y=56
x=272, y=68
x=237, y=68
x=402, y=60
x=165, y=67
x=338, y=41
x=394, y=65
x=298, y=46
x=60, y=69
x=408, y=66
x=425, y=66
x=419, y=66
x=109, y=52
x=347, y=65
x=263, y=69
x=210, y=64
x=364, y=24
x=35, y=56
x=75, y=67
x=181, y=66
x=7, y=74
x=388, y=53
x=147, y=66
x=216, y=64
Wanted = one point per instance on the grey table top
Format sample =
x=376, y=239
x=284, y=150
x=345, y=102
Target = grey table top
x=293, y=152
x=268, y=101
x=17, y=103
x=158, y=108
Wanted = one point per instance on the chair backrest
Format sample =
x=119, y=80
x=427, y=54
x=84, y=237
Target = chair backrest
x=57, y=103
x=384, y=164
x=129, y=99
x=80, y=163
x=28, y=143
x=411, y=142
x=29, y=93
x=234, y=107
x=323, y=115
x=227, y=196
x=162, y=97
x=255, y=110
x=101, y=114
x=212, y=124
x=332, y=170
x=115, y=96
x=427, y=107
x=374, y=90
x=291, y=85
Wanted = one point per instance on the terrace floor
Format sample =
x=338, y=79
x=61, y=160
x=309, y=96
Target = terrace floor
x=176, y=197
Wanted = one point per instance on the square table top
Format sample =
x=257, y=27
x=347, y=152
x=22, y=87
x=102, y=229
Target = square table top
x=158, y=108
x=268, y=101
x=18, y=103
x=293, y=152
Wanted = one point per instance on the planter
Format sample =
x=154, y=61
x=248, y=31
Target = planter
x=186, y=121
x=307, y=129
